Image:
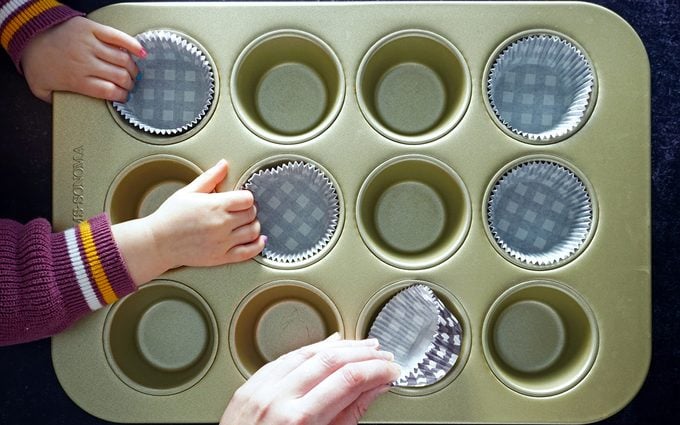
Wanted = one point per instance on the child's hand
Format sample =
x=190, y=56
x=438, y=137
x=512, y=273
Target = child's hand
x=193, y=227
x=330, y=382
x=81, y=56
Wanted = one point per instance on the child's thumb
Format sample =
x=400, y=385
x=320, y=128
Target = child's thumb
x=207, y=181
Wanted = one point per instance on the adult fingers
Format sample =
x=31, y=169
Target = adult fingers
x=277, y=369
x=309, y=374
x=117, y=57
x=102, y=89
x=207, y=181
x=118, y=38
x=333, y=395
x=355, y=411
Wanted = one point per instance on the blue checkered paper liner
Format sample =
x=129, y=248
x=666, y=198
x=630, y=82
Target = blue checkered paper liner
x=298, y=209
x=424, y=336
x=540, y=213
x=176, y=89
x=540, y=87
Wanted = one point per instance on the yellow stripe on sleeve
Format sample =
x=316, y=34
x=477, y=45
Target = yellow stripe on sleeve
x=95, y=264
x=22, y=18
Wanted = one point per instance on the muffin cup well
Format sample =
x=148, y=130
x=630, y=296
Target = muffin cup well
x=413, y=211
x=161, y=340
x=540, y=338
x=145, y=184
x=276, y=318
x=300, y=210
x=540, y=212
x=413, y=86
x=540, y=87
x=461, y=347
x=287, y=86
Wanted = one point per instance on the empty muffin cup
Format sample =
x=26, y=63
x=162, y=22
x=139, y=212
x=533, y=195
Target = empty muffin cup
x=144, y=185
x=413, y=86
x=299, y=209
x=425, y=327
x=540, y=87
x=540, y=213
x=161, y=340
x=279, y=317
x=413, y=211
x=175, y=92
x=287, y=86
x=540, y=338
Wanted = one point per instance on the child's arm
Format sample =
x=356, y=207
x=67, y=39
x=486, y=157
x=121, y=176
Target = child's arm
x=48, y=281
x=59, y=50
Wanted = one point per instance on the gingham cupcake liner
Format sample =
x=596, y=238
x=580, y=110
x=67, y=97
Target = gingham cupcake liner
x=540, y=87
x=424, y=336
x=176, y=89
x=298, y=209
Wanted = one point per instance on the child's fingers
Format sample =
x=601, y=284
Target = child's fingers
x=119, y=39
x=115, y=74
x=245, y=251
x=102, y=89
x=236, y=200
x=117, y=57
x=245, y=234
x=240, y=218
x=206, y=182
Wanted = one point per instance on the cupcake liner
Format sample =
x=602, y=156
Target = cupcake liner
x=540, y=213
x=176, y=89
x=421, y=332
x=298, y=209
x=540, y=87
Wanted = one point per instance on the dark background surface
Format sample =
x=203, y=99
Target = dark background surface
x=30, y=392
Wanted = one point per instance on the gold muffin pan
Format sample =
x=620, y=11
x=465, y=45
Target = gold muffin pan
x=389, y=101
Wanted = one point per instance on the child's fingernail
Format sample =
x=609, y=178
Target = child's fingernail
x=142, y=53
x=139, y=76
x=265, y=239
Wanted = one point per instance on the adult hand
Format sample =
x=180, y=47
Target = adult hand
x=81, y=56
x=330, y=382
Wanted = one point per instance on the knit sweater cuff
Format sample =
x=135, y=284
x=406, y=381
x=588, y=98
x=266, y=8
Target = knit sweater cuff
x=88, y=255
x=21, y=20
